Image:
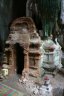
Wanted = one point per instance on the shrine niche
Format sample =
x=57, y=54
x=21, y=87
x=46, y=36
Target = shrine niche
x=23, y=36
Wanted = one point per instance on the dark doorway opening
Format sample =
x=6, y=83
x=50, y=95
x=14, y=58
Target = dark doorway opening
x=18, y=8
x=19, y=58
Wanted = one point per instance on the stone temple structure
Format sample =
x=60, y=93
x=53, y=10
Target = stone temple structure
x=23, y=42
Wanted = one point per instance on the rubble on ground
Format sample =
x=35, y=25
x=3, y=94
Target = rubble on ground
x=36, y=89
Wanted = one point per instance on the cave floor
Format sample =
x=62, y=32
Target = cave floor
x=13, y=82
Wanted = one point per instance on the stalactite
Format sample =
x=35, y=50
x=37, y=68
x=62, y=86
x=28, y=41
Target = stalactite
x=62, y=11
x=49, y=12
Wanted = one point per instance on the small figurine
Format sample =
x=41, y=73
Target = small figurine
x=46, y=89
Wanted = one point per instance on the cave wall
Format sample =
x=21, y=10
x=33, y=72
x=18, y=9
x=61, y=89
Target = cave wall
x=5, y=18
x=19, y=8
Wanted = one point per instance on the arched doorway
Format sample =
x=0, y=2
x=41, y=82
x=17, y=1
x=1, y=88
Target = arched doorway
x=23, y=34
x=19, y=58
